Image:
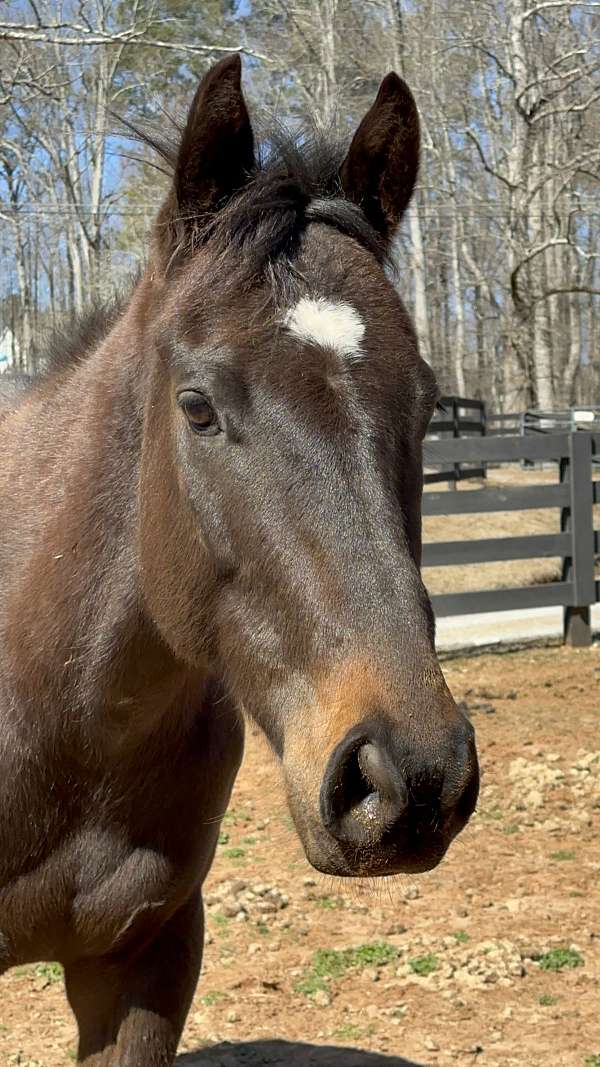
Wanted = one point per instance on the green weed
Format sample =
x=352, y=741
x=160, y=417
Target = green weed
x=222, y=923
x=424, y=965
x=373, y=955
x=352, y=1032
x=310, y=984
x=52, y=972
x=559, y=959
x=232, y=818
x=562, y=854
x=327, y=902
x=235, y=853
x=331, y=963
x=461, y=936
x=212, y=998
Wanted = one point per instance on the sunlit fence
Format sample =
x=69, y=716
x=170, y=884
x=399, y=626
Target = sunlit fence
x=577, y=543
x=457, y=416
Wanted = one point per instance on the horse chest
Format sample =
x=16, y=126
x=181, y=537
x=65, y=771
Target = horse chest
x=123, y=896
x=120, y=853
x=97, y=897
x=111, y=881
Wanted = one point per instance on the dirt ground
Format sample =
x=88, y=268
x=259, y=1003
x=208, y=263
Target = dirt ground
x=493, y=958
x=502, y=574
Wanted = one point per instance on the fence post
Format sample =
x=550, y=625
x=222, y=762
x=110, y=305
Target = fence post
x=483, y=415
x=578, y=520
x=455, y=433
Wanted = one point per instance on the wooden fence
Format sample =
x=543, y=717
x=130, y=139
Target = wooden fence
x=577, y=543
x=457, y=416
x=579, y=417
x=505, y=423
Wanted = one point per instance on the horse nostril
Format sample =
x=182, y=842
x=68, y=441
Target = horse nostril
x=392, y=805
x=467, y=801
x=362, y=795
x=373, y=769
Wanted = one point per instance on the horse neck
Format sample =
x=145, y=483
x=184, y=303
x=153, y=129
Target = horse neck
x=79, y=629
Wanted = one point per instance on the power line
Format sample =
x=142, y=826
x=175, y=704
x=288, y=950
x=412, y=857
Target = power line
x=450, y=211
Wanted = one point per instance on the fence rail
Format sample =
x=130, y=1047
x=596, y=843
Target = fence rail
x=457, y=416
x=508, y=422
x=577, y=418
x=582, y=417
x=576, y=543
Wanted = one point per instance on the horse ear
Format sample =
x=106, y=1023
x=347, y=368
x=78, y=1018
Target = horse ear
x=380, y=170
x=215, y=155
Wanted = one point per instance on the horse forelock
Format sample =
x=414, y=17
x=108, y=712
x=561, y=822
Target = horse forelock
x=256, y=234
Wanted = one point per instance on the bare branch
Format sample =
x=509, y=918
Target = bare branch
x=10, y=31
x=566, y=169
x=486, y=166
x=570, y=109
x=547, y=5
x=553, y=242
x=556, y=291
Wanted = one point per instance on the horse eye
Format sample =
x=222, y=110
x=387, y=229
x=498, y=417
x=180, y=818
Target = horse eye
x=198, y=412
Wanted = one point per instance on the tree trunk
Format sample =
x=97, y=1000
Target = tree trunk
x=542, y=362
x=326, y=16
x=459, y=346
x=421, y=314
x=397, y=46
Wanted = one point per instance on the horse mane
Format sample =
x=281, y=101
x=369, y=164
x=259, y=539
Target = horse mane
x=80, y=333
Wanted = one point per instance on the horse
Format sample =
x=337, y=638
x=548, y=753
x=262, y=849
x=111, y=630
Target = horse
x=211, y=511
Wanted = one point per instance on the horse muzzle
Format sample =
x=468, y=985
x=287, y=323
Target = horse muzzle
x=387, y=806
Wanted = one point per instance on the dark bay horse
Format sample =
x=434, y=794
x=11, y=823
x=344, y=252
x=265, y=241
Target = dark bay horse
x=210, y=506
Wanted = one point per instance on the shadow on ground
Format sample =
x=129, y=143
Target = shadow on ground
x=288, y=1054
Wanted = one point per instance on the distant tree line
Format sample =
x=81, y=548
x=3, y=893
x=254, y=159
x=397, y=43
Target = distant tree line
x=498, y=257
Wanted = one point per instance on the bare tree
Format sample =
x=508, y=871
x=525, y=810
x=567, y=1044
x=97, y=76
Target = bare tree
x=498, y=254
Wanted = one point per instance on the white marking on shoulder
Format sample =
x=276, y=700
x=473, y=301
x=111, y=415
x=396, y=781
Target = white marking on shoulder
x=337, y=326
